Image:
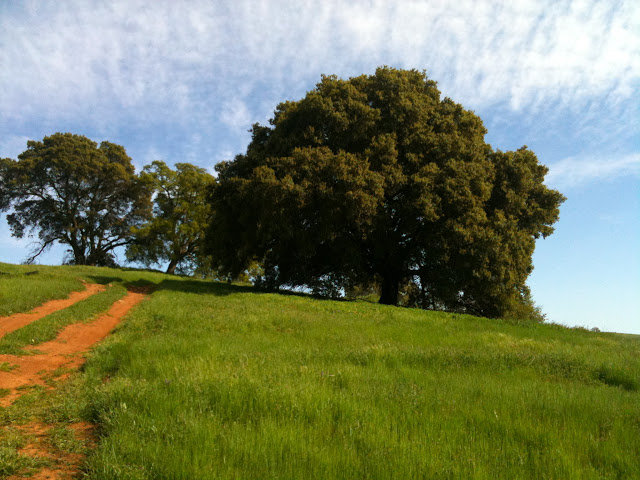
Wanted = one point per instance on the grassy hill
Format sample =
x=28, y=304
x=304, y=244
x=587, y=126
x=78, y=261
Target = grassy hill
x=208, y=380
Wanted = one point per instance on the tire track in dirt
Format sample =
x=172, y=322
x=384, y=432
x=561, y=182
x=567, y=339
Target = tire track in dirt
x=62, y=463
x=19, y=320
x=66, y=350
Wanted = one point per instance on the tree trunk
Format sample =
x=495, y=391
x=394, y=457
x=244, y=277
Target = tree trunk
x=79, y=258
x=390, y=288
x=172, y=266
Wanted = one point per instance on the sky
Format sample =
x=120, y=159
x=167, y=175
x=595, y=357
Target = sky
x=184, y=81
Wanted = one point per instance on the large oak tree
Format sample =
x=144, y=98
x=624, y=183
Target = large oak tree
x=67, y=189
x=377, y=178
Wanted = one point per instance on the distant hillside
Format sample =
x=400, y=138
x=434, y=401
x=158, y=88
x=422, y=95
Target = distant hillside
x=210, y=380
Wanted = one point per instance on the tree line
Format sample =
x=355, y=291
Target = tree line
x=371, y=184
x=67, y=189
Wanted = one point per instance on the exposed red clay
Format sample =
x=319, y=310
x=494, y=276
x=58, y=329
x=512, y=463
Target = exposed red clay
x=64, y=465
x=19, y=320
x=66, y=350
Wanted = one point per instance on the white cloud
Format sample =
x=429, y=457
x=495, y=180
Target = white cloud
x=235, y=114
x=174, y=59
x=572, y=172
x=151, y=154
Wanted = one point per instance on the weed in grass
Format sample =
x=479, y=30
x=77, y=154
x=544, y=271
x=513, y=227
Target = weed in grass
x=30, y=388
x=11, y=460
x=62, y=438
x=53, y=378
x=11, y=437
x=7, y=367
x=617, y=376
x=46, y=420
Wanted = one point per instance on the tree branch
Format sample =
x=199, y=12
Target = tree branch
x=46, y=244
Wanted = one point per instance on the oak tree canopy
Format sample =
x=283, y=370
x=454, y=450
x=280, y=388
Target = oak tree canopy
x=68, y=189
x=379, y=179
x=181, y=214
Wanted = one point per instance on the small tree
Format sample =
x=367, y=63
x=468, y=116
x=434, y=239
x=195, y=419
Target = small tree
x=69, y=190
x=181, y=215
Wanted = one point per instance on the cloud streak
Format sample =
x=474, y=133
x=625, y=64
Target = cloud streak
x=575, y=172
x=93, y=58
x=167, y=78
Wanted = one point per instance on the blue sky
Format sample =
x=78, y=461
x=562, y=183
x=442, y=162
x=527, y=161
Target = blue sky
x=183, y=81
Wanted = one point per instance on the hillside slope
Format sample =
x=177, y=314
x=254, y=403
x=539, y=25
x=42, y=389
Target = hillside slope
x=208, y=380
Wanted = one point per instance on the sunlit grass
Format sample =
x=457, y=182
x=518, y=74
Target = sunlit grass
x=265, y=386
x=209, y=380
x=48, y=327
x=24, y=287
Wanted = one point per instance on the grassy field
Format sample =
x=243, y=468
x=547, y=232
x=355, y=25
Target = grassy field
x=23, y=288
x=208, y=380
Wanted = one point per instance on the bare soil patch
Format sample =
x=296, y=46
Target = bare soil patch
x=62, y=464
x=65, y=351
x=19, y=320
x=55, y=359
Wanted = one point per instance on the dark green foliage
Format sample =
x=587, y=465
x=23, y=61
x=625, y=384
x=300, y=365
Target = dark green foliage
x=69, y=190
x=181, y=213
x=378, y=179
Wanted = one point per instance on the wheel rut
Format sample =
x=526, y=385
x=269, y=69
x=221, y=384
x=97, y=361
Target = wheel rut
x=19, y=320
x=65, y=351
x=63, y=354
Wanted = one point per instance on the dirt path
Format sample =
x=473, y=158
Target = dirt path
x=19, y=320
x=62, y=464
x=65, y=351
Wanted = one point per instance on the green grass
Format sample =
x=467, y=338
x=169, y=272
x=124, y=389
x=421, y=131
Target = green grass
x=58, y=409
x=23, y=288
x=11, y=462
x=216, y=379
x=209, y=380
x=63, y=439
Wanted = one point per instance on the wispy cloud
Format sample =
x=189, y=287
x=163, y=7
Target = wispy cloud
x=168, y=78
x=573, y=172
x=95, y=57
x=235, y=114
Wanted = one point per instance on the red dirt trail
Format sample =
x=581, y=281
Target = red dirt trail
x=19, y=320
x=66, y=350
x=63, y=464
